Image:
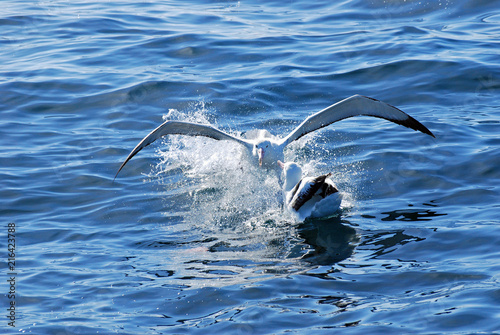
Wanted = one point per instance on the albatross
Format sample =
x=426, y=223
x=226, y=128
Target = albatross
x=306, y=197
x=268, y=150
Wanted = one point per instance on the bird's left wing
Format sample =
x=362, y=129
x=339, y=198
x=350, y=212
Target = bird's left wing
x=182, y=128
x=357, y=105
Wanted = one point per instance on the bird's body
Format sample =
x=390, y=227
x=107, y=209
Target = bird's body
x=308, y=197
x=268, y=150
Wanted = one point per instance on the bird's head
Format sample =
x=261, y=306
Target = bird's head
x=268, y=152
x=292, y=173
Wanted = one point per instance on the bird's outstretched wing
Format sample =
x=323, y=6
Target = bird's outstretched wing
x=182, y=128
x=357, y=105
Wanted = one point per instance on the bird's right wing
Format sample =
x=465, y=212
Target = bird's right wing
x=182, y=128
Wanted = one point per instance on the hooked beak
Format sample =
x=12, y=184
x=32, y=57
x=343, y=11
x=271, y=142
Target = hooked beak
x=261, y=155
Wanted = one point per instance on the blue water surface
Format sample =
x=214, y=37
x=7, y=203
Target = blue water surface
x=191, y=238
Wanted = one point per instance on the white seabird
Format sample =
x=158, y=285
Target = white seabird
x=313, y=197
x=269, y=150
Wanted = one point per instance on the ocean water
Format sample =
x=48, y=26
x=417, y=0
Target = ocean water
x=190, y=238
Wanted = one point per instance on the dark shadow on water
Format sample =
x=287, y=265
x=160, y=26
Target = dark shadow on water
x=387, y=241
x=384, y=242
x=331, y=241
x=411, y=215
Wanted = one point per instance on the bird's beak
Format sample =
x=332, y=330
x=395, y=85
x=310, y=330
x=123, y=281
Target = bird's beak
x=261, y=156
x=281, y=164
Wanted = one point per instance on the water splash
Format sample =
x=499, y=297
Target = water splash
x=220, y=186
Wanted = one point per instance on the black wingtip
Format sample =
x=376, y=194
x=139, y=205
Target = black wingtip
x=415, y=125
x=116, y=175
x=132, y=154
x=410, y=122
